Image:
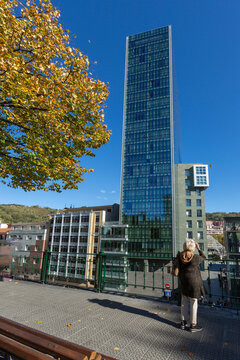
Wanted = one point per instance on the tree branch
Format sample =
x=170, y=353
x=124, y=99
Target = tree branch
x=11, y=157
x=14, y=123
x=10, y=104
x=24, y=50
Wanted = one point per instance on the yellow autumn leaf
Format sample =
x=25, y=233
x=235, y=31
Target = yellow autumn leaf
x=37, y=101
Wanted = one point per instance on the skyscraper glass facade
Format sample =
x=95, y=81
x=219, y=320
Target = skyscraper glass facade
x=148, y=145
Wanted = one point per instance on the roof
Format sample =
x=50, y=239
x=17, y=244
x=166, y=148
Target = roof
x=5, y=231
x=89, y=208
x=29, y=223
x=214, y=244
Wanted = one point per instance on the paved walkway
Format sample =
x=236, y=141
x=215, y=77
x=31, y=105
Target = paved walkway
x=124, y=327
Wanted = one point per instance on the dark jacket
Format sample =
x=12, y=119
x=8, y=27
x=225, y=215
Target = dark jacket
x=189, y=273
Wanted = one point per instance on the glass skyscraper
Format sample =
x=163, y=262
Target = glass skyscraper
x=149, y=144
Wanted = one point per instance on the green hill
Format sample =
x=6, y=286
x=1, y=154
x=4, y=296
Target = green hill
x=218, y=216
x=13, y=213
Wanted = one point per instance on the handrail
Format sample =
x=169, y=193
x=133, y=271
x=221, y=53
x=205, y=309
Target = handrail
x=26, y=339
x=20, y=350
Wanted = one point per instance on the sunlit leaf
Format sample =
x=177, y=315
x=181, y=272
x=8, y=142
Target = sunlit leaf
x=51, y=109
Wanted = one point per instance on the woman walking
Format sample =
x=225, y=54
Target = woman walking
x=191, y=283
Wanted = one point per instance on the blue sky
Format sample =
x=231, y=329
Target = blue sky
x=206, y=55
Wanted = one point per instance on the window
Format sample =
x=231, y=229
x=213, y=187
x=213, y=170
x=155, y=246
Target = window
x=199, y=223
x=201, y=245
x=188, y=192
x=198, y=192
x=64, y=249
x=200, y=235
x=200, y=170
x=75, y=219
x=188, y=202
x=187, y=182
x=201, y=180
x=74, y=239
x=189, y=234
x=189, y=223
x=199, y=202
x=64, y=238
x=84, y=229
x=74, y=229
x=83, y=239
x=187, y=172
x=199, y=213
x=189, y=213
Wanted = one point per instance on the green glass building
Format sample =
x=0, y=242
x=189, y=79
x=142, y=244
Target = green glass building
x=150, y=145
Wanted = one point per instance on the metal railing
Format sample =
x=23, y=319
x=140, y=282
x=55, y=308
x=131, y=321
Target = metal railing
x=221, y=279
x=120, y=273
x=54, y=267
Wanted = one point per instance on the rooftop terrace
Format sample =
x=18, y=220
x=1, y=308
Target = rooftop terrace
x=123, y=327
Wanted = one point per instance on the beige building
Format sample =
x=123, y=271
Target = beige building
x=74, y=241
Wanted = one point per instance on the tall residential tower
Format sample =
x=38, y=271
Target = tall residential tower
x=150, y=147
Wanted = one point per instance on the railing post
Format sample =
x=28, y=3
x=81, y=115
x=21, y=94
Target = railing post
x=135, y=283
x=209, y=281
x=11, y=266
x=45, y=267
x=127, y=268
x=99, y=271
x=153, y=276
x=144, y=275
x=163, y=287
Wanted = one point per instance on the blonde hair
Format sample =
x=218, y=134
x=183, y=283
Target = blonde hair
x=189, y=245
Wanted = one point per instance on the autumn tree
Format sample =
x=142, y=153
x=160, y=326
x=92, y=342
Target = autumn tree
x=51, y=109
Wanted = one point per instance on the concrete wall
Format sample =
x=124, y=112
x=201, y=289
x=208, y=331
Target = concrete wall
x=181, y=207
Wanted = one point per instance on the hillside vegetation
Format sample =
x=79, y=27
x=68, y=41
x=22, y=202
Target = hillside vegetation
x=218, y=216
x=13, y=213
